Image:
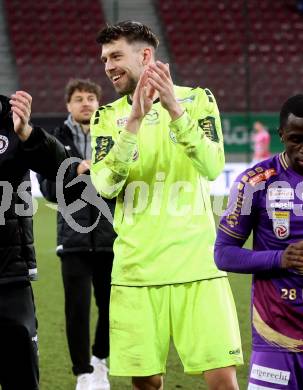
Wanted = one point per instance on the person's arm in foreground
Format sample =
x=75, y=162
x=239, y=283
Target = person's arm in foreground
x=233, y=231
x=199, y=135
x=43, y=153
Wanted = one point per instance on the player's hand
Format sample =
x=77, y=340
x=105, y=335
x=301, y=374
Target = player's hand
x=21, y=103
x=142, y=103
x=160, y=79
x=292, y=257
x=83, y=167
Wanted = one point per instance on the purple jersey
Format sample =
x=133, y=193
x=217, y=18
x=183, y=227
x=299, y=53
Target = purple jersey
x=267, y=199
x=274, y=370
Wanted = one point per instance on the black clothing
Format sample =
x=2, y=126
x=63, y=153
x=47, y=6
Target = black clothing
x=18, y=343
x=101, y=238
x=86, y=259
x=79, y=272
x=41, y=153
x=18, y=338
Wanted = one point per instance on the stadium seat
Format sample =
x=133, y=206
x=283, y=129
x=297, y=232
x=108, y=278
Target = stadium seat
x=229, y=45
x=66, y=47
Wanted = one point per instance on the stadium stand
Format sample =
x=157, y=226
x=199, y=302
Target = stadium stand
x=53, y=41
x=248, y=53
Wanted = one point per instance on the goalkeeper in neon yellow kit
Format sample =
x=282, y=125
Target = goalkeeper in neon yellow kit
x=155, y=149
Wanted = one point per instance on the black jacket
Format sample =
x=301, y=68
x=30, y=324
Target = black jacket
x=102, y=236
x=41, y=153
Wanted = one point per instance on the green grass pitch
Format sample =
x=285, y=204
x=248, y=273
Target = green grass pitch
x=55, y=366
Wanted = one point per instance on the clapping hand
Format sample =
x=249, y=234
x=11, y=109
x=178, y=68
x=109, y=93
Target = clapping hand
x=21, y=103
x=160, y=79
x=143, y=98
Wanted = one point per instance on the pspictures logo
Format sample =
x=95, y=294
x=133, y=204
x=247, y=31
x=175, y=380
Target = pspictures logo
x=3, y=143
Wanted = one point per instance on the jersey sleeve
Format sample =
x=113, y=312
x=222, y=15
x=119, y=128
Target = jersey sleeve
x=44, y=147
x=199, y=133
x=234, y=229
x=112, y=153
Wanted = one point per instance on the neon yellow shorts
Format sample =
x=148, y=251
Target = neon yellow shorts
x=199, y=316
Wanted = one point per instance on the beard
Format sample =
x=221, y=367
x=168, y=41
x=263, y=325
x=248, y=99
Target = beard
x=84, y=122
x=129, y=88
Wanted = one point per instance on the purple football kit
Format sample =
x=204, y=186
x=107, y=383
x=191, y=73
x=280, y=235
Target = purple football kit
x=267, y=199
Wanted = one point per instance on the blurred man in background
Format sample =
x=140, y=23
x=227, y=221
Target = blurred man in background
x=261, y=142
x=267, y=200
x=86, y=256
x=156, y=148
x=22, y=147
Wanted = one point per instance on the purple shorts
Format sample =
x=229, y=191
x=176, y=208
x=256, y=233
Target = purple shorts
x=276, y=370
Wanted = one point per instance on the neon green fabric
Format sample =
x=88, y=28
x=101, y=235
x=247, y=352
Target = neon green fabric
x=163, y=216
x=144, y=318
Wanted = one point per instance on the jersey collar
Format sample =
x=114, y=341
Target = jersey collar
x=130, y=102
x=283, y=161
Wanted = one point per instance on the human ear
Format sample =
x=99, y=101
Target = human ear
x=147, y=55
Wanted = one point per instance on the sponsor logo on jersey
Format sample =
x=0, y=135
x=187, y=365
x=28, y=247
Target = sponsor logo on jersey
x=121, y=122
x=3, y=143
x=232, y=218
x=271, y=375
x=235, y=351
x=208, y=125
x=280, y=193
x=262, y=176
x=282, y=205
x=103, y=146
x=187, y=99
x=152, y=117
x=281, y=224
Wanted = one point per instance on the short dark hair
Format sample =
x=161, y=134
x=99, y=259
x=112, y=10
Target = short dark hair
x=294, y=105
x=85, y=85
x=130, y=30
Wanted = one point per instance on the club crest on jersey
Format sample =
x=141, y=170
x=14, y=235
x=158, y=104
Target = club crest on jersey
x=280, y=222
x=121, y=122
x=3, y=143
